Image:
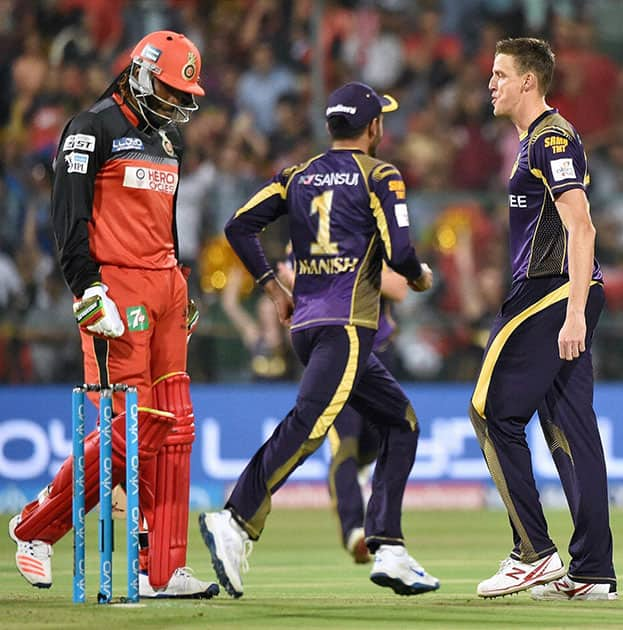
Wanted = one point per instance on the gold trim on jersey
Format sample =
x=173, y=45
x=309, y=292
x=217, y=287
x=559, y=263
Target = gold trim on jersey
x=365, y=302
x=381, y=223
x=539, y=174
x=298, y=169
x=384, y=170
x=534, y=234
x=261, y=195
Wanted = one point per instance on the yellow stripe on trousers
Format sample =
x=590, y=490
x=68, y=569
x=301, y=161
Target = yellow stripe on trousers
x=493, y=353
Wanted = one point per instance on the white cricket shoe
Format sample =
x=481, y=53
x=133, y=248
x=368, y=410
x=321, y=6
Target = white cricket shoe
x=356, y=546
x=566, y=589
x=514, y=576
x=229, y=547
x=395, y=568
x=32, y=557
x=182, y=585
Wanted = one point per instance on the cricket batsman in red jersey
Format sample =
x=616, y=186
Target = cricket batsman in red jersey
x=113, y=209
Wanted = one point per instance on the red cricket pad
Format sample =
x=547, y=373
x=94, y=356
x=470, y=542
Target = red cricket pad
x=51, y=519
x=168, y=539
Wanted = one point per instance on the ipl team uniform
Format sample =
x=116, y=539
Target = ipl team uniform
x=113, y=211
x=522, y=372
x=347, y=212
x=354, y=440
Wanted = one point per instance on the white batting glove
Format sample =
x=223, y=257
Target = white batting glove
x=97, y=314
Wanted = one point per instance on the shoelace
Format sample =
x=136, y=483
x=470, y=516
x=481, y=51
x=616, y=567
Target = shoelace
x=505, y=564
x=184, y=572
x=36, y=548
x=246, y=552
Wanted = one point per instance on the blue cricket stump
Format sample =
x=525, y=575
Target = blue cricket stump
x=105, y=534
x=131, y=486
x=77, y=506
x=105, y=521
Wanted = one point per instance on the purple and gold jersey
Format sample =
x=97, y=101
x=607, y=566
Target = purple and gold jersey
x=551, y=160
x=347, y=212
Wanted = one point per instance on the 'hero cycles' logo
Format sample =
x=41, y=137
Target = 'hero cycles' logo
x=150, y=179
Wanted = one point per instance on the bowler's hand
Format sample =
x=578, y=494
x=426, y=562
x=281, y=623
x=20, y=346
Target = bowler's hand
x=572, y=336
x=424, y=281
x=282, y=299
x=97, y=314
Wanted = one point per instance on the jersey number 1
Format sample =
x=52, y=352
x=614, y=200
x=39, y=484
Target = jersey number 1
x=322, y=205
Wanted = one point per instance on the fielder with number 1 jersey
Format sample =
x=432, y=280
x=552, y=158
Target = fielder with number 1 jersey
x=347, y=213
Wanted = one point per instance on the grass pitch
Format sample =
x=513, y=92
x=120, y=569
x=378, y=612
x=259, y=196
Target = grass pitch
x=300, y=578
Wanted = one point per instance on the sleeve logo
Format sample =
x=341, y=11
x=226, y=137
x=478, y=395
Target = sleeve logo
x=402, y=214
x=562, y=169
x=556, y=143
x=77, y=162
x=79, y=141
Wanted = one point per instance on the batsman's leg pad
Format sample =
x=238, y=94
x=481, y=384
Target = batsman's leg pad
x=169, y=535
x=49, y=518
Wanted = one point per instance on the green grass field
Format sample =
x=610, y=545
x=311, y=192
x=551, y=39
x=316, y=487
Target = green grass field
x=301, y=579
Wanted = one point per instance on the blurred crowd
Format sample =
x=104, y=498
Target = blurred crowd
x=267, y=68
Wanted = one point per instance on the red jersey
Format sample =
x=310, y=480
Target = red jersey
x=113, y=200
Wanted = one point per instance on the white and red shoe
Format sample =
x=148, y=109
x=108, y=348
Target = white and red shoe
x=566, y=589
x=32, y=558
x=514, y=576
x=182, y=585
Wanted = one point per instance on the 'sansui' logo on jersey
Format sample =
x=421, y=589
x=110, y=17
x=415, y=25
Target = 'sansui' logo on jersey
x=330, y=179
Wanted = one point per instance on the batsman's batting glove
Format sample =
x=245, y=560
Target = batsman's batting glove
x=97, y=314
x=192, y=318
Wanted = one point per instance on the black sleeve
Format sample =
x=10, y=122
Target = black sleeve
x=82, y=151
x=173, y=133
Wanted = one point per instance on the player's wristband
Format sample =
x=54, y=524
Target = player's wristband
x=269, y=275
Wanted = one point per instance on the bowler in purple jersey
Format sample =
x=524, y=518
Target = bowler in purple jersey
x=347, y=214
x=538, y=357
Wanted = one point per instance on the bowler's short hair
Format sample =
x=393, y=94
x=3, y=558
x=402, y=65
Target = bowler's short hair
x=530, y=55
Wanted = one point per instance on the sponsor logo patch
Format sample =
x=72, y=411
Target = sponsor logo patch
x=397, y=186
x=127, y=144
x=150, y=179
x=137, y=318
x=562, y=169
x=190, y=68
x=330, y=179
x=77, y=162
x=340, y=109
x=151, y=52
x=80, y=141
x=556, y=143
x=402, y=214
